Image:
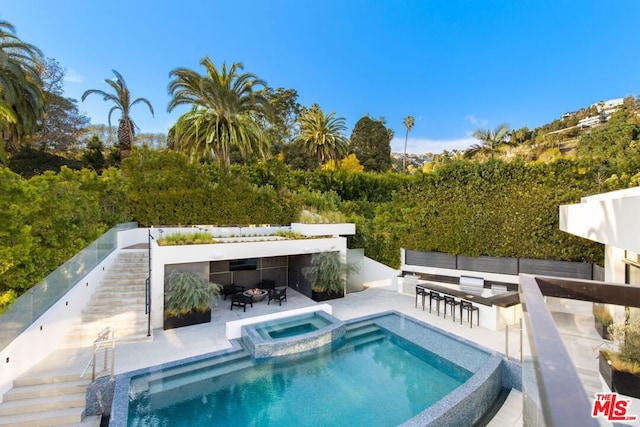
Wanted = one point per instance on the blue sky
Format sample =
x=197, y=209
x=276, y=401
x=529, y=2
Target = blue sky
x=456, y=66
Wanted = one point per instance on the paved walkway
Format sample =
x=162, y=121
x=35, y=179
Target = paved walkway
x=195, y=340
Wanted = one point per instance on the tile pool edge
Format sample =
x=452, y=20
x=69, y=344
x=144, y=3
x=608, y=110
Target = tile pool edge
x=475, y=396
x=472, y=399
x=120, y=406
x=469, y=402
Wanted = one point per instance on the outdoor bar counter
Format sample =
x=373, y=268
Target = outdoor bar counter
x=495, y=310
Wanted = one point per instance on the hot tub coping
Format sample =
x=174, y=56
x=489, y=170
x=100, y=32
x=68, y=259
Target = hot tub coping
x=233, y=329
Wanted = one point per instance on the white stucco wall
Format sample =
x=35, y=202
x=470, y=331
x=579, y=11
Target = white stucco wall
x=375, y=274
x=48, y=332
x=614, y=268
x=162, y=255
x=609, y=218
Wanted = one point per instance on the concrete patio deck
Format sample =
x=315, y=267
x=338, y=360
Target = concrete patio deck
x=181, y=343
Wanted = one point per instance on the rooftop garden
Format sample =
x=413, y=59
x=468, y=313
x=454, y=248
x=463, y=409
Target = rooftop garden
x=207, y=238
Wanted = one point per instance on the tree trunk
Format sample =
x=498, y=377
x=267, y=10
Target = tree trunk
x=125, y=137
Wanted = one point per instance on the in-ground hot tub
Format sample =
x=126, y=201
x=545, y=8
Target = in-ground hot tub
x=292, y=335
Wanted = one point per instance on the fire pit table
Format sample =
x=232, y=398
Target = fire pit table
x=256, y=294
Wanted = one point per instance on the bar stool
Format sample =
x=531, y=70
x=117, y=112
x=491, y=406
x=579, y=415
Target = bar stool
x=420, y=291
x=451, y=302
x=435, y=296
x=466, y=305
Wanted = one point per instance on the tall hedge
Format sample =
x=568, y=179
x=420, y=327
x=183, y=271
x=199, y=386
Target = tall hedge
x=165, y=189
x=462, y=207
x=493, y=208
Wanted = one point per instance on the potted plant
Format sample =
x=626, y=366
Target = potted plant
x=188, y=297
x=620, y=363
x=327, y=275
x=602, y=319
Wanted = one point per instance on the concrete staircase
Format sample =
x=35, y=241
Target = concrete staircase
x=45, y=401
x=45, y=396
x=118, y=303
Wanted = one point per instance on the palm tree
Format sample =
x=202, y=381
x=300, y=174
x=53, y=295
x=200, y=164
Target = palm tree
x=408, y=123
x=321, y=135
x=122, y=100
x=21, y=96
x=225, y=113
x=491, y=141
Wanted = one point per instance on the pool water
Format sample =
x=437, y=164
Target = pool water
x=380, y=382
x=292, y=331
x=291, y=326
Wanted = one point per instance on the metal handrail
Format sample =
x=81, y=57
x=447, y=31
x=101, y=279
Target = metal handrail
x=106, y=341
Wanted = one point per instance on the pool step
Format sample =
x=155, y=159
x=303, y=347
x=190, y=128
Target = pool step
x=360, y=334
x=361, y=329
x=191, y=381
x=193, y=372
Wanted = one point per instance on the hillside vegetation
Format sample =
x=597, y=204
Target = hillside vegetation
x=462, y=206
x=264, y=158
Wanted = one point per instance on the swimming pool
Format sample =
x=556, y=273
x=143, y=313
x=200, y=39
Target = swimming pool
x=388, y=369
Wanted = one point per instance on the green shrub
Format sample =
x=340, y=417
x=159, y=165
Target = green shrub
x=327, y=272
x=186, y=292
x=180, y=238
x=626, y=336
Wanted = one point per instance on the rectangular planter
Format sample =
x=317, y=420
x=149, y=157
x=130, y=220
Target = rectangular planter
x=324, y=296
x=340, y=229
x=619, y=381
x=189, y=319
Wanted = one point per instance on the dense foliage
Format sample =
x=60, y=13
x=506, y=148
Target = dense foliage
x=618, y=142
x=50, y=217
x=370, y=142
x=463, y=207
x=164, y=188
x=493, y=208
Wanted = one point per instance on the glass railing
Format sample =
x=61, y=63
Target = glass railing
x=37, y=300
x=554, y=394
